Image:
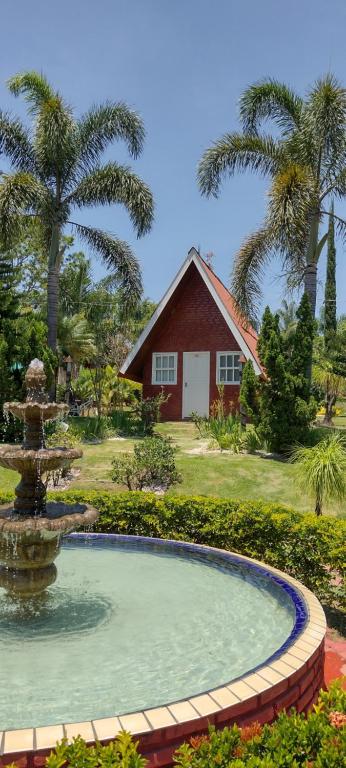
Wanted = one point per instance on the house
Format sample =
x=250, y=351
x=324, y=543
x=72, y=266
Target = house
x=193, y=342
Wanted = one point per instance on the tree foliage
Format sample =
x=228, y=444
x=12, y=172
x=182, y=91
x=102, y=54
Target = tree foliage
x=305, y=162
x=285, y=406
x=57, y=169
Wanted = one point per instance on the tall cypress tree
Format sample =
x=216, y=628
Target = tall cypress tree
x=286, y=408
x=330, y=290
x=302, y=347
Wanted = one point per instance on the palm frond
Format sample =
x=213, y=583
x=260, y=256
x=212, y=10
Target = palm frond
x=55, y=140
x=325, y=118
x=235, y=152
x=20, y=195
x=15, y=143
x=118, y=257
x=290, y=206
x=34, y=86
x=337, y=185
x=270, y=100
x=115, y=183
x=75, y=337
x=104, y=124
x=247, y=272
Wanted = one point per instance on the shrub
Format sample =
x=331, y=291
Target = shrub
x=293, y=741
x=63, y=435
x=232, y=440
x=309, y=548
x=151, y=465
x=147, y=412
x=222, y=425
x=120, y=753
x=251, y=440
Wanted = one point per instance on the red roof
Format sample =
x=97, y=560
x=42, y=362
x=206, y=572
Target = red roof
x=248, y=332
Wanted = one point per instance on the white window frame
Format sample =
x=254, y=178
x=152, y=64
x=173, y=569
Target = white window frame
x=218, y=357
x=155, y=355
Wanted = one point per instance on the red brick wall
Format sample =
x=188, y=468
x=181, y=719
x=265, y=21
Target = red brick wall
x=194, y=324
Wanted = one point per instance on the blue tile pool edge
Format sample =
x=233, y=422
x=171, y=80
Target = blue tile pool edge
x=299, y=603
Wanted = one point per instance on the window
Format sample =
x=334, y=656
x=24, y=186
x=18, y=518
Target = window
x=228, y=368
x=164, y=368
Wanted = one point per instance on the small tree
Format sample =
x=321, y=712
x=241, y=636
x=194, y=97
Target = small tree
x=322, y=469
x=151, y=465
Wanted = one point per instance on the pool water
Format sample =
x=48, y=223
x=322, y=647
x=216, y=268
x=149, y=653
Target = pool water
x=127, y=628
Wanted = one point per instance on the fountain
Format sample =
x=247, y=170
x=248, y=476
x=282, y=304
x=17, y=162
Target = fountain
x=30, y=528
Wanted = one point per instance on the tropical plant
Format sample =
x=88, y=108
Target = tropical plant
x=75, y=338
x=322, y=469
x=75, y=284
x=288, y=318
x=57, y=169
x=329, y=368
x=152, y=465
x=305, y=161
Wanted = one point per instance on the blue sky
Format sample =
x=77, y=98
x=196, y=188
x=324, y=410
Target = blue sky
x=183, y=65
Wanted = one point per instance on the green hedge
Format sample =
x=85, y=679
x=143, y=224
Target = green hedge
x=310, y=548
x=294, y=741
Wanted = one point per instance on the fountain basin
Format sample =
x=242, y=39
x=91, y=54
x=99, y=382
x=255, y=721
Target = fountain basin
x=32, y=411
x=29, y=545
x=162, y=662
x=45, y=459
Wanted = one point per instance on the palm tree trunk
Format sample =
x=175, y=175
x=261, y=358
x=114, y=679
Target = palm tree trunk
x=318, y=506
x=310, y=277
x=310, y=284
x=53, y=288
x=329, y=402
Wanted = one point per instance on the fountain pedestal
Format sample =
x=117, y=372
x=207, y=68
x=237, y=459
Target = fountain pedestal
x=31, y=529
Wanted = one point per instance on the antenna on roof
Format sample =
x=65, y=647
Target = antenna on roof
x=209, y=258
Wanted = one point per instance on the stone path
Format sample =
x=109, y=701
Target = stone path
x=335, y=659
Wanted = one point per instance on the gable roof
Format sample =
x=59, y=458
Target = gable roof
x=246, y=336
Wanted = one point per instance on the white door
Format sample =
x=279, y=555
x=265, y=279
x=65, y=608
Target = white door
x=196, y=369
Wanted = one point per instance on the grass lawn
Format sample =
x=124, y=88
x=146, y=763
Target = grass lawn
x=211, y=474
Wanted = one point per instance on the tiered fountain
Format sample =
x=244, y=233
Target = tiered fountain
x=30, y=528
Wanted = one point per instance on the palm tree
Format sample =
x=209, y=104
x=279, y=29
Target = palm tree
x=322, y=469
x=288, y=318
x=75, y=339
x=57, y=169
x=305, y=160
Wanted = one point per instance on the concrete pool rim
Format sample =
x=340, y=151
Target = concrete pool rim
x=289, y=677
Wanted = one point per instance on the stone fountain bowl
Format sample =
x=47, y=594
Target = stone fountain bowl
x=59, y=518
x=31, y=411
x=45, y=459
x=29, y=545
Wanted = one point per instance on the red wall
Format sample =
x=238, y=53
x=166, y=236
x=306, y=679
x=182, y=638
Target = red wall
x=194, y=324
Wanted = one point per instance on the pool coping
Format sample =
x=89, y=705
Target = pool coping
x=254, y=691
